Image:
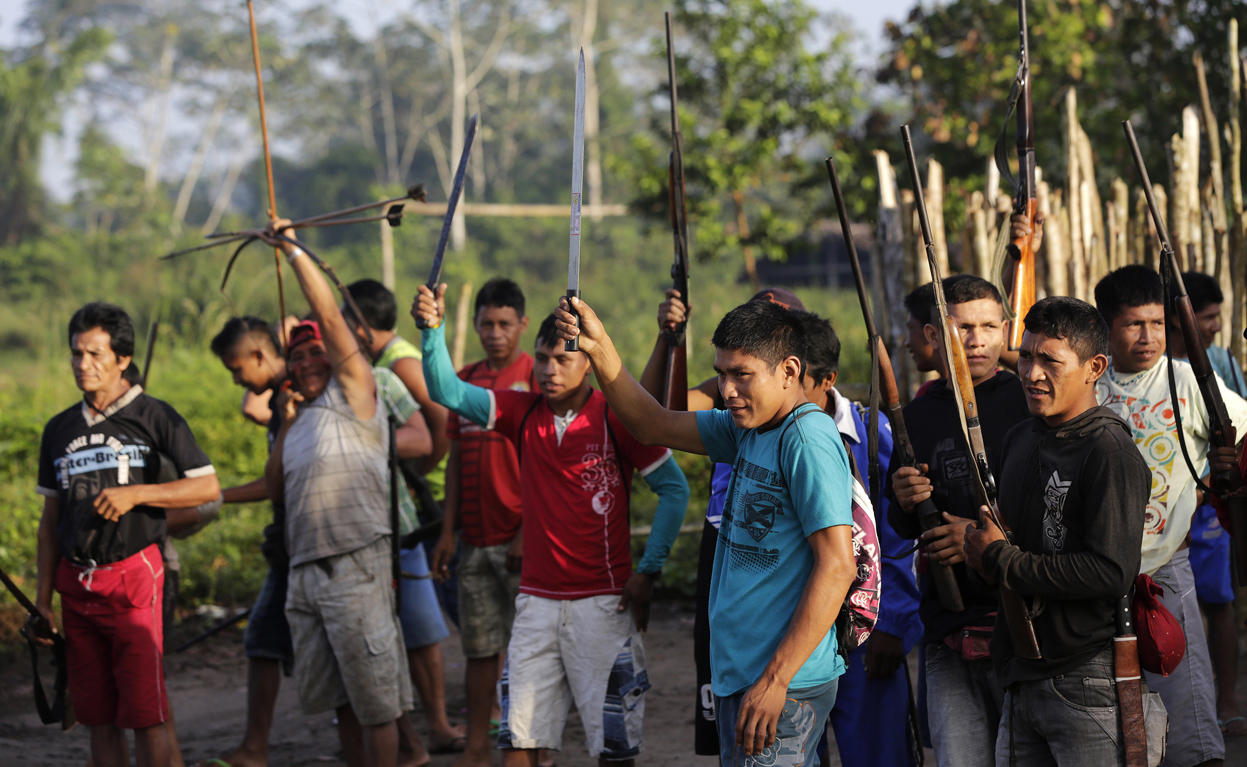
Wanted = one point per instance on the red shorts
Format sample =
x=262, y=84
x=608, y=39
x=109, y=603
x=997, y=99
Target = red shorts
x=114, y=638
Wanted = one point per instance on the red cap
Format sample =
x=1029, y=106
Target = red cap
x=305, y=331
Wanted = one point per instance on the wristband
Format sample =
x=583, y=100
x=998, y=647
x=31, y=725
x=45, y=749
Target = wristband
x=294, y=254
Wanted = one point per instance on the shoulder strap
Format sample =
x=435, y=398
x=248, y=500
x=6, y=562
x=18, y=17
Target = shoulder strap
x=519, y=441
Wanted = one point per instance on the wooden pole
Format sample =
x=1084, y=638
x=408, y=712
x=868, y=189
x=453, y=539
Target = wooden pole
x=1238, y=225
x=888, y=258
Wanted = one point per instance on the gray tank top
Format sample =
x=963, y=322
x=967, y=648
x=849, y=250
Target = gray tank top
x=336, y=479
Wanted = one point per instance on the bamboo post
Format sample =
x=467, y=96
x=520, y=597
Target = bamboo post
x=935, y=212
x=1216, y=236
x=1095, y=249
x=979, y=241
x=888, y=258
x=1119, y=241
x=1237, y=300
x=1073, y=202
x=1056, y=241
x=1153, y=239
x=991, y=193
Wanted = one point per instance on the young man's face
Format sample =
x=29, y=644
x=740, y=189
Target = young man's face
x=753, y=390
x=920, y=349
x=1058, y=386
x=983, y=330
x=309, y=368
x=499, y=328
x=96, y=366
x=818, y=392
x=1208, y=320
x=1136, y=337
x=250, y=367
x=559, y=373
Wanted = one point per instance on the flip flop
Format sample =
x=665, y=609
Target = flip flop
x=212, y=763
x=494, y=726
x=1235, y=726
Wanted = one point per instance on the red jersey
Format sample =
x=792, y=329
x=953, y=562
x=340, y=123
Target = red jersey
x=489, y=474
x=577, y=539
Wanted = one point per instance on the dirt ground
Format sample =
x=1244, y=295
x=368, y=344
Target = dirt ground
x=207, y=685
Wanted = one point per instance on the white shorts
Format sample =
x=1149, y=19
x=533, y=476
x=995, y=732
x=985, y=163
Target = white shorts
x=581, y=650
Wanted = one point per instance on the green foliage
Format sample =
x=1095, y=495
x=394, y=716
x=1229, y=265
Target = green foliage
x=760, y=102
x=1127, y=59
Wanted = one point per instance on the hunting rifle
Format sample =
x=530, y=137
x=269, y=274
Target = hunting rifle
x=35, y=629
x=675, y=366
x=1227, y=485
x=1019, y=271
x=902, y=449
x=1017, y=616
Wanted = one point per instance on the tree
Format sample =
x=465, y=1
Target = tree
x=760, y=102
x=34, y=84
x=1127, y=59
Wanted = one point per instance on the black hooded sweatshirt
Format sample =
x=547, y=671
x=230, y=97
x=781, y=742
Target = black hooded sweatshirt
x=935, y=430
x=1074, y=496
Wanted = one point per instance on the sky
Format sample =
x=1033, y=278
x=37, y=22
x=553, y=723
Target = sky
x=867, y=17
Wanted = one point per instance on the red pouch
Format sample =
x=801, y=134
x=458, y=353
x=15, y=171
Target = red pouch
x=972, y=643
x=1162, y=642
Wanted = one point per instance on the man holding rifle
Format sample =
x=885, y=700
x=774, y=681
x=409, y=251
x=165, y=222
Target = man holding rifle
x=1136, y=387
x=963, y=694
x=784, y=561
x=1074, y=491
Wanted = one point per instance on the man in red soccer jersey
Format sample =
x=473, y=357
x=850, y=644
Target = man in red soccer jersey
x=574, y=637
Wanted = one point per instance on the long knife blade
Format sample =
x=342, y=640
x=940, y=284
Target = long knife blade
x=578, y=167
x=456, y=191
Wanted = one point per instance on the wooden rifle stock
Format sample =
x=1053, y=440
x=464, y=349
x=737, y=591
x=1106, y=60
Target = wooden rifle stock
x=1017, y=615
x=1128, y=678
x=929, y=517
x=1227, y=484
x=902, y=448
x=1021, y=282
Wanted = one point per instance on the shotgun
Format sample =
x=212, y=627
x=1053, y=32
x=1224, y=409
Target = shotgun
x=675, y=370
x=1227, y=485
x=1019, y=277
x=37, y=627
x=1017, y=616
x=928, y=515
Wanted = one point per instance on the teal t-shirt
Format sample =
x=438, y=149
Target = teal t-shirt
x=762, y=560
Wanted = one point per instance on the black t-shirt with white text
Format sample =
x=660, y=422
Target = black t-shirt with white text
x=84, y=452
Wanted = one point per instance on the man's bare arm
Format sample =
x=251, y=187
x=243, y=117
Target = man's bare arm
x=647, y=420
x=411, y=373
x=352, y=371
x=412, y=438
x=47, y=557
x=255, y=490
x=445, y=548
x=113, y=502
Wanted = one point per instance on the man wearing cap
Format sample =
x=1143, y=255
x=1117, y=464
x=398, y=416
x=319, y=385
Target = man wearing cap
x=329, y=468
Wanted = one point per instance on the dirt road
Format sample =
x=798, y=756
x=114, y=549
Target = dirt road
x=207, y=685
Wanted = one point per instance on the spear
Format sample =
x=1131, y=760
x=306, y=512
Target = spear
x=578, y=154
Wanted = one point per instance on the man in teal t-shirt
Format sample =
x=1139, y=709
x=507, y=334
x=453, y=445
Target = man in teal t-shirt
x=784, y=559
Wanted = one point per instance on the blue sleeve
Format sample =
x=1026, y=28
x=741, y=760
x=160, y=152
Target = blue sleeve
x=446, y=388
x=719, y=435
x=672, y=488
x=819, y=479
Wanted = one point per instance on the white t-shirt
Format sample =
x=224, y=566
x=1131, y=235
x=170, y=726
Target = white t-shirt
x=1142, y=401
